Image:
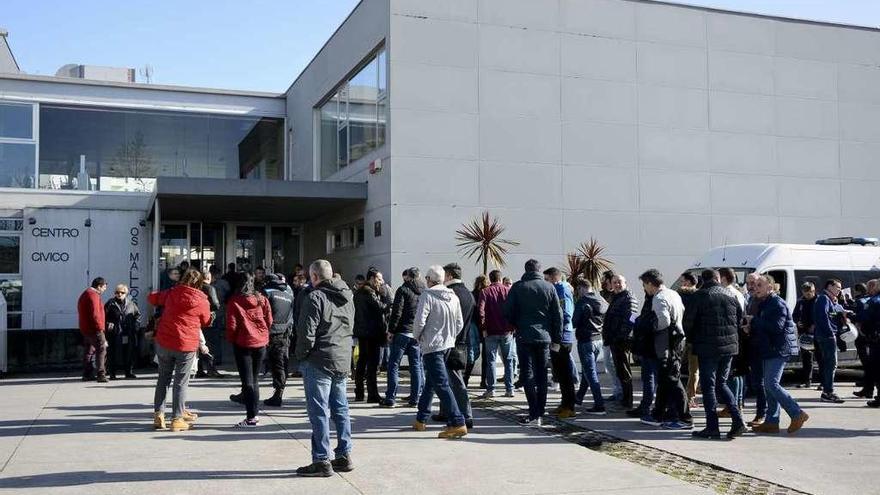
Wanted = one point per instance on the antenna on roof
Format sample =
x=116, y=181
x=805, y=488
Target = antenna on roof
x=724, y=250
x=146, y=73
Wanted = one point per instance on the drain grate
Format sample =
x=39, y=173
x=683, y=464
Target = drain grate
x=703, y=474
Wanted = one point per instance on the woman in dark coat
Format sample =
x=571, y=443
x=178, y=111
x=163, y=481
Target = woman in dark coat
x=122, y=316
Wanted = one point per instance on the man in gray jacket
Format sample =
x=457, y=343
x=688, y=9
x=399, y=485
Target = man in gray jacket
x=437, y=323
x=323, y=349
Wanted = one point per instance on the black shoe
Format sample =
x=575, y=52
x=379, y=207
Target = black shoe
x=827, y=398
x=374, y=400
x=88, y=378
x=873, y=403
x=439, y=418
x=130, y=376
x=635, y=413
x=707, y=434
x=237, y=398
x=389, y=404
x=597, y=411
x=864, y=394
x=201, y=374
x=469, y=423
x=274, y=401
x=342, y=464
x=320, y=469
x=215, y=374
x=736, y=431
x=102, y=379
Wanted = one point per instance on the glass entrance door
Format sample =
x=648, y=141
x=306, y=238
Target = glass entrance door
x=285, y=249
x=250, y=247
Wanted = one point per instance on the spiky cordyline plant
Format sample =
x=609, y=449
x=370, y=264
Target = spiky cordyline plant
x=574, y=266
x=481, y=238
x=594, y=263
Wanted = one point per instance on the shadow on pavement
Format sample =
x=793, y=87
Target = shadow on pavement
x=80, y=478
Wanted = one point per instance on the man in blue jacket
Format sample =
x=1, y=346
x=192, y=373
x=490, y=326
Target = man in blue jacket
x=827, y=314
x=560, y=358
x=533, y=308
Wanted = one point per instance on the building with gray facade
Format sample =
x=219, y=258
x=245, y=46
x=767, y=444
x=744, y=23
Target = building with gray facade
x=662, y=130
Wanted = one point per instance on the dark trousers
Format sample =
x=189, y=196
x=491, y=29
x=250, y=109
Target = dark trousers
x=248, y=361
x=278, y=355
x=533, y=359
x=807, y=366
x=561, y=362
x=872, y=371
x=620, y=352
x=212, y=340
x=94, y=347
x=671, y=402
x=121, y=352
x=756, y=376
x=367, y=368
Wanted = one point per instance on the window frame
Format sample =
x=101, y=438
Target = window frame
x=12, y=275
x=33, y=140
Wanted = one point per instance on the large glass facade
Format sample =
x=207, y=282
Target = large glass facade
x=352, y=120
x=18, y=145
x=125, y=150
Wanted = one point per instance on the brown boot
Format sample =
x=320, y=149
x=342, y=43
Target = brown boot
x=766, y=428
x=798, y=422
x=190, y=417
x=159, y=421
x=567, y=413
x=724, y=413
x=179, y=424
x=453, y=432
x=759, y=420
x=419, y=426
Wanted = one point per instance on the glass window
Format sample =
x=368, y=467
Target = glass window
x=352, y=121
x=16, y=121
x=17, y=164
x=10, y=254
x=125, y=150
x=11, y=289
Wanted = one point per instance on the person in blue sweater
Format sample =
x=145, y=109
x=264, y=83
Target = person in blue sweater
x=827, y=315
x=775, y=340
x=560, y=355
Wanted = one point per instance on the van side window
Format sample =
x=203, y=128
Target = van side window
x=781, y=279
x=818, y=277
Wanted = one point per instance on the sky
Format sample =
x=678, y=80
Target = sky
x=258, y=45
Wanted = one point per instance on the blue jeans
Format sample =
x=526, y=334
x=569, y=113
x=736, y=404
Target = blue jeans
x=404, y=344
x=610, y=370
x=533, y=359
x=776, y=395
x=737, y=387
x=714, y=371
x=473, y=343
x=589, y=352
x=650, y=369
x=828, y=365
x=325, y=399
x=508, y=354
x=756, y=371
x=437, y=381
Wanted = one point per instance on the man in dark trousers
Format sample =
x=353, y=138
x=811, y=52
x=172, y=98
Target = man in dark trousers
x=92, y=321
x=617, y=332
x=712, y=325
x=533, y=308
x=457, y=360
x=371, y=308
x=281, y=298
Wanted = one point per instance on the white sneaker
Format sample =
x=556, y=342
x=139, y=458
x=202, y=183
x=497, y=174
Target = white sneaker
x=510, y=393
x=537, y=423
x=488, y=394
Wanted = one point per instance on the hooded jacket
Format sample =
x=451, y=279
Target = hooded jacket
x=712, y=322
x=122, y=315
x=565, y=292
x=403, y=310
x=589, y=313
x=370, y=310
x=669, y=327
x=185, y=311
x=248, y=319
x=438, y=319
x=324, y=327
x=618, y=325
x=773, y=330
x=280, y=297
x=533, y=308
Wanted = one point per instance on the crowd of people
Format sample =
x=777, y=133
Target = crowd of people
x=708, y=336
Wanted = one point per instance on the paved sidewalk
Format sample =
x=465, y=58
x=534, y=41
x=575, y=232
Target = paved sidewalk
x=62, y=436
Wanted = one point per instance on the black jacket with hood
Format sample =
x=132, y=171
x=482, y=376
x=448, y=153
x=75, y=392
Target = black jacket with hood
x=403, y=310
x=618, y=325
x=324, y=328
x=370, y=312
x=533, y=307
x=712, y=322
x=281, y=298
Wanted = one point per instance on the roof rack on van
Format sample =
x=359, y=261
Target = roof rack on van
x=844, y=241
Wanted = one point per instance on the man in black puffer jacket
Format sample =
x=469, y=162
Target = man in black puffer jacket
x=617, y=331
x=401, y=341
x=280, y=297
x=711, y=324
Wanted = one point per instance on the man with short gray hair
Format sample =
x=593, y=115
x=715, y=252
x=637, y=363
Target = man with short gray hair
x=438, y=321
x=323, y=348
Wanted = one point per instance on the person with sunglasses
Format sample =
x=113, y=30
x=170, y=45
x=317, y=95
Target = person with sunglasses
x=122, y=316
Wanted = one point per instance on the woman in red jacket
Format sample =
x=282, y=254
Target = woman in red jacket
x=185, y=311
x=248, y=319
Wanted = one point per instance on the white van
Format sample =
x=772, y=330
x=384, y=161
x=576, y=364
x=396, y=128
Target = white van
x=852, y=260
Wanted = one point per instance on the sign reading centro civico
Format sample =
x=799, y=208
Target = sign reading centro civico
x=64, y=249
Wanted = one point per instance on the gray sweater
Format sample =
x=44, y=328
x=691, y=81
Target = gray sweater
x=438, y=319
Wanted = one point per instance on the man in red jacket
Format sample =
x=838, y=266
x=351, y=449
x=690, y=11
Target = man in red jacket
x=91, y=326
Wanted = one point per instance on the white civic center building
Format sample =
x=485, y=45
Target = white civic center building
x=659, y=129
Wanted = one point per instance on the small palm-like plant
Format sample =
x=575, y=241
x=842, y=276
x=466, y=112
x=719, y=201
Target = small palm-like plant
x=594, y=261
x=481, y=238
x=574, y=266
